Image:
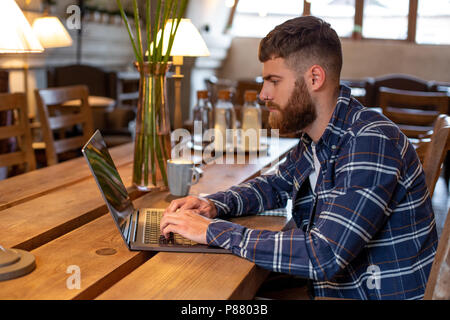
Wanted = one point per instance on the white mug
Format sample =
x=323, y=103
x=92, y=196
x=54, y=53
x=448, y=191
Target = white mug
x=182, y=174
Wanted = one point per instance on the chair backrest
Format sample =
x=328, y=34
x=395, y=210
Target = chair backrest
x=413, y=111
x=46, y=98
x=395, y=81
x=402, y=82
x=14, y=104
x=436, y=150
x=99, y=82
x=438, y=285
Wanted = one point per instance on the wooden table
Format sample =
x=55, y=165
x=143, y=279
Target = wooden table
x=57, y=213
x=100, y=106
x=94, y=102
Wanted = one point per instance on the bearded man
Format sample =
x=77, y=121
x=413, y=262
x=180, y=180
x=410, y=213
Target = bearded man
x=365, y=226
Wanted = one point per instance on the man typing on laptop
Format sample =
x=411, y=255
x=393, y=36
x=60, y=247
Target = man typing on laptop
x=359, y=198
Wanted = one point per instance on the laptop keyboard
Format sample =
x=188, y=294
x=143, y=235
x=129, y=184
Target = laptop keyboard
x=152, y=234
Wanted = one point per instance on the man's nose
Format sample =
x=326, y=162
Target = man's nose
x=264, y=94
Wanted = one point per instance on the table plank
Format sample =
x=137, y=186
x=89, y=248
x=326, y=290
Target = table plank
x=97, y=272
x=195, y=276
x=183, y=276
x=31, y=224
x=36, y=183
x=78, y=247
x=54, y=214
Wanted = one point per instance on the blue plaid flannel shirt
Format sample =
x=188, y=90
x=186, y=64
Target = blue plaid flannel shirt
x=367, y=231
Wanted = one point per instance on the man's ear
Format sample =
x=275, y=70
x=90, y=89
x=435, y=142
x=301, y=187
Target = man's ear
x=315, y=77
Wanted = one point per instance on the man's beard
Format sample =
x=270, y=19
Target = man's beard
x=299, y=112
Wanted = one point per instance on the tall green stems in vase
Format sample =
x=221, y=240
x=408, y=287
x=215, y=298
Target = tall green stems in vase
x=152, y=139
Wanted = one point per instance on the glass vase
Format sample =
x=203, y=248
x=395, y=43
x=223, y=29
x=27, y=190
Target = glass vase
x=152, y=140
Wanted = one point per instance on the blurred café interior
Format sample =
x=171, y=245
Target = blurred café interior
x=389, y=47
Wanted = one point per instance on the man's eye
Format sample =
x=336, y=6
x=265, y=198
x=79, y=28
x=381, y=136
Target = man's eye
x=274, y=82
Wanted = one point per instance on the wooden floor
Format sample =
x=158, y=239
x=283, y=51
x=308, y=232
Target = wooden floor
x=441, y=204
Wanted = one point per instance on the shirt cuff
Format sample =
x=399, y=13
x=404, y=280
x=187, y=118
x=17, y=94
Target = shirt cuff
x=223, y=210
x=219, y=233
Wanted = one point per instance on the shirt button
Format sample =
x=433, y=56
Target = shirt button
x=333, y=147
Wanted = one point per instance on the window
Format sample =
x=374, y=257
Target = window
x=380, y=19
x=433, y=22
x=257, y=18
x=339, y=13
x=385, y=19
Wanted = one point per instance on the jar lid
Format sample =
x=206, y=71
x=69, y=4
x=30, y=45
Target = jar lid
x=202, y=94
x=224, y=94
x=250, y=95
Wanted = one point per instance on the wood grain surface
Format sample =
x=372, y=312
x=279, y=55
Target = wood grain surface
x=62, y=220
x=36, y=183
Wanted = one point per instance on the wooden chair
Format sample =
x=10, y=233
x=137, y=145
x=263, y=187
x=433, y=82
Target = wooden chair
x=4, y=115
x=46, y=98
x=413, y=111
x=100, y=82
x=17, y=129
x=433, y=150
x=395, y=81
x=438, y=285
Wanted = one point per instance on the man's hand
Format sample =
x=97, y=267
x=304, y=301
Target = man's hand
x=203, y=207
x=188, y=223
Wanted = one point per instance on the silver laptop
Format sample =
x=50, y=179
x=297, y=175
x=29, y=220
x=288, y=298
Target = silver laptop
x=139, y=227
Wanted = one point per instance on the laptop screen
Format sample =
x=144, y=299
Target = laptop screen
x=109, y=181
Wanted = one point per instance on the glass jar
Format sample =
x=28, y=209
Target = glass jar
x=251, y=122
x=203, y=119
x=224, y=123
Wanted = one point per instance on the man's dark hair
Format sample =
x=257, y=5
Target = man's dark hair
x=302, y=42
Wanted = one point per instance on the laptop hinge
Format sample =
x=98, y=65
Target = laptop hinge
x=128, y=233
x=131, y=227
x=135, y=224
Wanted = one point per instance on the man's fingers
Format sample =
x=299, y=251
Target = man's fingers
x=170, y=228
x=203, y=206
x=168, y=219
x=176, y=220
x=183, y=204
x=187, y=223
x=175, y=205
x=192, y=203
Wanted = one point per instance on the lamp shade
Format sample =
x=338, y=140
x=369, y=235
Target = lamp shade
x=51, y=32
x=16, y=35
x=188, y=42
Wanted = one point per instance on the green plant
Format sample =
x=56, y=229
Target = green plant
x=165, y=10
x=151, y=143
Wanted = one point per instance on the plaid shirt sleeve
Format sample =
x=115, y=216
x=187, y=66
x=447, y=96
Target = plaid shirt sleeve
x=367, y=171
x=257, y=195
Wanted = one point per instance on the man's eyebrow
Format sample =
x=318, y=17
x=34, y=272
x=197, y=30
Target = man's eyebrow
x=270, y=76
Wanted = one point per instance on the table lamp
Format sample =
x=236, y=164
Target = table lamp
x=51, y=32
x=187, y=43
x=16, y=37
